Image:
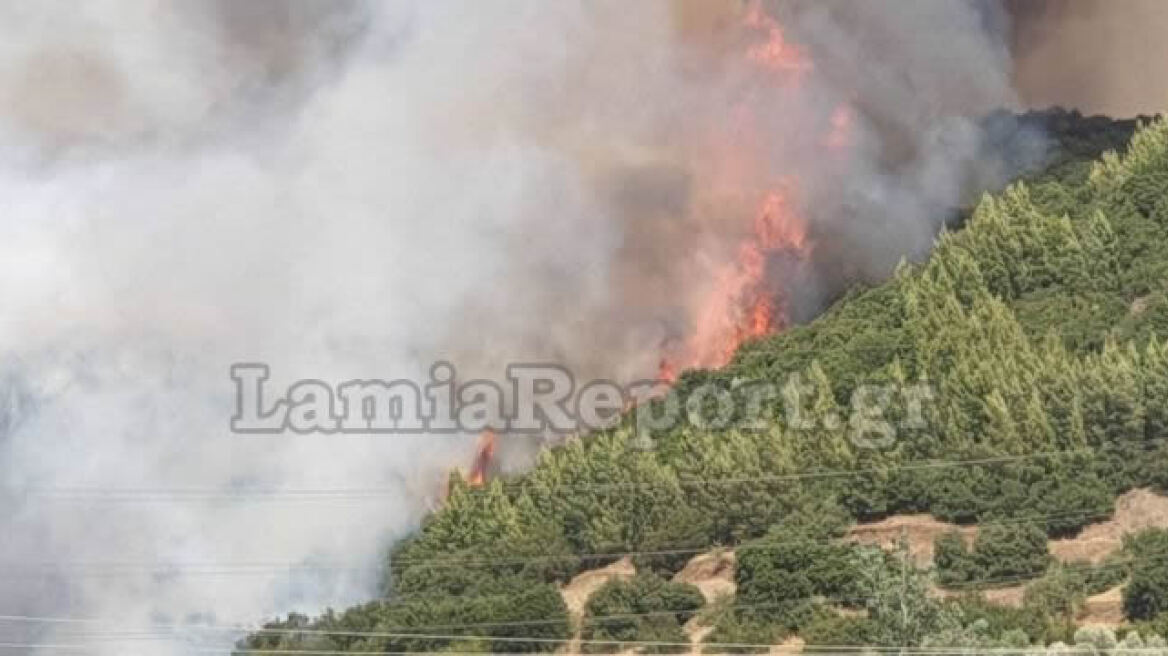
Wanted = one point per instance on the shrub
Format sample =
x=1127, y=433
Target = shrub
x=1001, y=553
x=644, y=608
x=1146, y=595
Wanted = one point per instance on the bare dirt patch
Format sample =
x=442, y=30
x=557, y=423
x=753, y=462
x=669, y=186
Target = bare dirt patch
x=582, y=586
x=919, y=530
x=1134, y=511
x=1104, y=609
x=577, y=591
x=1006, y=596
x=712, y=573
x=1011, y=596
x=696, y=632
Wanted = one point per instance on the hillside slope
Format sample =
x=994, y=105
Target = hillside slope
x=1034, y=333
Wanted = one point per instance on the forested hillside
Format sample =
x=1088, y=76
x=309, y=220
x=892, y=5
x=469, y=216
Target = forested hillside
x=1039, y=329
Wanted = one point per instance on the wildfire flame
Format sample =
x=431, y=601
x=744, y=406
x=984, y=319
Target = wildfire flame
x=743, y=304
x=776, y=53
x=484, y=455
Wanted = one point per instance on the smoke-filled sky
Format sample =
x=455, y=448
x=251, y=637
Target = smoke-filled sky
x=1100, y=56
x=356, y=189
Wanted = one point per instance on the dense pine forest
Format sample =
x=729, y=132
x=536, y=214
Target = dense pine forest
x=1038, y=327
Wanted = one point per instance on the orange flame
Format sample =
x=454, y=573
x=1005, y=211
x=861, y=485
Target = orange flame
x=744, y=302
x=484, y=455
x=666, y=371
x=741, y=305
x=775, y=53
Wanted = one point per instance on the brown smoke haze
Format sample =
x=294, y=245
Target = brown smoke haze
x=1100, y=56
x=357, y=189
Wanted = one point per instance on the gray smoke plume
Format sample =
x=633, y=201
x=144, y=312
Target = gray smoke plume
x=358, y=189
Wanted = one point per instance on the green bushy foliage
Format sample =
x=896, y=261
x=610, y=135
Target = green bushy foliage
x=1001, y=554
x=996, y=623
x=782, y=575
x=508, y=613
x=830, y=628
x=1145, y=596
x=741, y=631
x=645, y=608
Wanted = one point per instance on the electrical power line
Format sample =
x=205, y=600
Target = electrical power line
x=843, y=650
x=26, y=569
x=757, y=479
x=208, y=494
x=973, y=586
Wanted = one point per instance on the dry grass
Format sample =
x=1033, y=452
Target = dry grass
x=712, y=573
x=918, y=530
x=1010, y=596
x=1104, y=609
x=1007, y=596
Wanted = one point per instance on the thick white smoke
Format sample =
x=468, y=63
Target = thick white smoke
x=358, y=190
